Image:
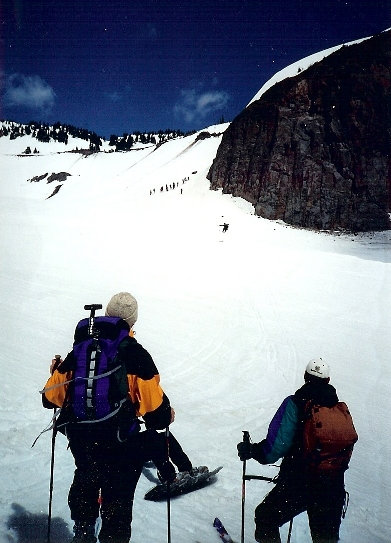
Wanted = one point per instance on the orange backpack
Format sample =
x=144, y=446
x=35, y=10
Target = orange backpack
x=328, y=437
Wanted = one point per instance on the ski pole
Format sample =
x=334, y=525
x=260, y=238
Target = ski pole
x=290, y=531
x=167, y=433
x=270, y=480
x=57, y=358
x=246, y=439
x=51, y=481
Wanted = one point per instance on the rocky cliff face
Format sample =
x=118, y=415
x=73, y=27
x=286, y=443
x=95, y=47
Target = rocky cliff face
x=314, y=150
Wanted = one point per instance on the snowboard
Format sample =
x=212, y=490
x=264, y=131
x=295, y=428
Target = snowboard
x=182, y=485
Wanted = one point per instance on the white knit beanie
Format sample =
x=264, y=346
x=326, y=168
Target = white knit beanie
x=123, y=305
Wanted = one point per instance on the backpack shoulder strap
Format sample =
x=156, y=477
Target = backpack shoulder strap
x=307, y=410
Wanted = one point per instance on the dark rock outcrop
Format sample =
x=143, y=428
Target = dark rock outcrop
x=61, y=176
x=314, y=150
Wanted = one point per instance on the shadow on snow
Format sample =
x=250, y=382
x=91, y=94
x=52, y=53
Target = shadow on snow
x=33, y=527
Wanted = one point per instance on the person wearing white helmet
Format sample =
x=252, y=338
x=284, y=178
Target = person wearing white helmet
x=318, y=368
x=298, y=488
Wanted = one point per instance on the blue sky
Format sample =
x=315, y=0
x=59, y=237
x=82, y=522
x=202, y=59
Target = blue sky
x=117, y=66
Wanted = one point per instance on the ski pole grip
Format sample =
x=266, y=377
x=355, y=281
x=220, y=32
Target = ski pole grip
x=57, y=358
x=246, y=436
x=92, y=307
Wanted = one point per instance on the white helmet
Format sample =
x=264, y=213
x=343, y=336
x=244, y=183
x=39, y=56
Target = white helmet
x=318, y=368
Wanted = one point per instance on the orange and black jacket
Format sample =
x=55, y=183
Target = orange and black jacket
x=145, y=391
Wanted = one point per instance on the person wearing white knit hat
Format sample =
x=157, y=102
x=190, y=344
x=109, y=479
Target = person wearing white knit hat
x=123, y=305
x=109, y=455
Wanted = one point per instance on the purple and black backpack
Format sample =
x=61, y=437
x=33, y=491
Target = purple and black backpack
x=100, y=385
x=99, y=389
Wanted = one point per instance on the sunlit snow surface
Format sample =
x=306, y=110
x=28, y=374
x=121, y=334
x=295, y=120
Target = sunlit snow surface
x=230, y=319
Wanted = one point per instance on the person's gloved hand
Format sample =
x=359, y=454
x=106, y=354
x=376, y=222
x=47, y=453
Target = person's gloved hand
x=244, y=450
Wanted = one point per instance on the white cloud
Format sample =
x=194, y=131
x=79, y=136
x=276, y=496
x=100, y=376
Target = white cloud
x=196, y=104
x=118, y=95
x=28, y=91
x=114, y=96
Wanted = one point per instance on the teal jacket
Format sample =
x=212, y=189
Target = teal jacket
x=284, y=434
x=281, y=434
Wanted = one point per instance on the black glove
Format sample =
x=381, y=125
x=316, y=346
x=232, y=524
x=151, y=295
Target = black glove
x=244, y=450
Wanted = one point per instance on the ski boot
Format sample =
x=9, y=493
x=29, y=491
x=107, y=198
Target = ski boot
x=198, y=471
x=188, y=478
x=84, y=532
x=166, y=473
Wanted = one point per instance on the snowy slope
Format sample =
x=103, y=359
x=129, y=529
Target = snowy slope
x=230, y=319
x=300, y=65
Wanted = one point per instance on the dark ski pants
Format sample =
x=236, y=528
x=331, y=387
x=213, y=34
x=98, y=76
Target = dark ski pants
x=159, y=448
x=162, y=454
x=112, y=468
x=178, y=456
x=321, y=496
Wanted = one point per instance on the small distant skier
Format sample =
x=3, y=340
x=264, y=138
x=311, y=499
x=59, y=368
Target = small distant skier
x=224, y=226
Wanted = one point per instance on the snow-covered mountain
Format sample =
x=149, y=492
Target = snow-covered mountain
x=81, y=138
x=231, y=319
x=300, y=66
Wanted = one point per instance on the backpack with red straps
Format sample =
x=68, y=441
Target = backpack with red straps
x=328, y=437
